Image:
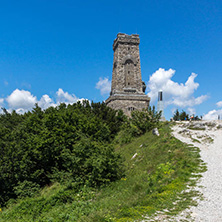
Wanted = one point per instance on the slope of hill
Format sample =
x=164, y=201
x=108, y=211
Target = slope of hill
x=157, y=173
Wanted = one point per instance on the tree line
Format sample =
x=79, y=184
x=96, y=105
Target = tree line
x=184, y=116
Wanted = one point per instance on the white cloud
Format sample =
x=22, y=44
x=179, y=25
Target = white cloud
x=104, y=85
x=21, y=99
x=174, y=93
x=219, y=104
x=191, y=111
x=213, y=115
x=65, y=97
x=46, y=102
x=20, y=110
x=185, y=102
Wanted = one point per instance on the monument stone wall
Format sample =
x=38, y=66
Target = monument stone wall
x=127, y=90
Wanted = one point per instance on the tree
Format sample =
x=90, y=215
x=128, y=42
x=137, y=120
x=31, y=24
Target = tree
x=146, y=120
x=180, y=115
x=184, y=115
x=42, y=146
x=176, y=116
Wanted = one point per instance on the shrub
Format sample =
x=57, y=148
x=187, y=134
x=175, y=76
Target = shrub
x=146, y=120
x=72, y=140
x=26, y=189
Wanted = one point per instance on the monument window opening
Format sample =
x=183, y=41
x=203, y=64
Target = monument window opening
x=128, y=61
x=131, y=108
x=129, y=73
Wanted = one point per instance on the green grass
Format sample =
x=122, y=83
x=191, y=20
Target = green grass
x=196, y=128
x=156, y=179
x=208, y=139
x=195, y=140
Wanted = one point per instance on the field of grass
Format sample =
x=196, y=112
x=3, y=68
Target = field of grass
x=156, y=179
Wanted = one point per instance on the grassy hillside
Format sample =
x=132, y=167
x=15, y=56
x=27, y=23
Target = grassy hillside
x=154, y=179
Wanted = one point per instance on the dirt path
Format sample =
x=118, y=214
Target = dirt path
x=207, y=135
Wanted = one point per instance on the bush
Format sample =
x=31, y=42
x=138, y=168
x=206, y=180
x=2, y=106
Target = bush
x=139, y=123
x=145, y=120
x=72, y=140
x=180, y=115
x=26, y=189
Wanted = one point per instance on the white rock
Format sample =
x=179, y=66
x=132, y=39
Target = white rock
x=134, y=156
x=155, y=132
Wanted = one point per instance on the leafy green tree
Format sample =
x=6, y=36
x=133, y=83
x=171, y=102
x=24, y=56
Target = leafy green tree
x=176, y=116
x=113, y=118
x=73, y=140
x=180, y=115
x=61, y=143
x=146, y=120
x=184, y=115
x=197, y=118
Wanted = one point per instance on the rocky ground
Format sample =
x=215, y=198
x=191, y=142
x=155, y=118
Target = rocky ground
x=207, y=135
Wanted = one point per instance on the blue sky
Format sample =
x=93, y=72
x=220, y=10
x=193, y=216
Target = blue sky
x=58, y=51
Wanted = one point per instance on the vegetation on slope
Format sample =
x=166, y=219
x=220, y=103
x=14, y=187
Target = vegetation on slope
x=72, y=141
x=153, y=180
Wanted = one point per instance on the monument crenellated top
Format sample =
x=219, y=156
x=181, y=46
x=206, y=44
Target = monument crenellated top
x=123, y=38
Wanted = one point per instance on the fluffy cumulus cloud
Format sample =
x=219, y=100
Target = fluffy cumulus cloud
x=213, y=115
x=178, y=94
x=22, y=101
x=104, y=85
x=191, y=111
x=45, y=102
x=219, y=104
x=65, y=97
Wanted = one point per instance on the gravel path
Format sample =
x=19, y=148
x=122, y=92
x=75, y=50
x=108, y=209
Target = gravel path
x=209, y=209
x=207, y=135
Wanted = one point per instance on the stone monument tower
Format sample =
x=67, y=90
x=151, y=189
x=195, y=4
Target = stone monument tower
x=128, y=90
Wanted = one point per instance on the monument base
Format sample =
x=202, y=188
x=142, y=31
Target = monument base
x=128, y=103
